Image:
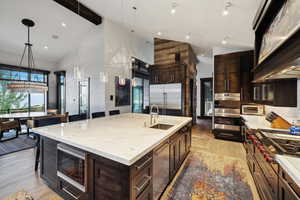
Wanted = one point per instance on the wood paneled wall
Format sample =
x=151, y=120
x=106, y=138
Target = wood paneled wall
x=168, y=53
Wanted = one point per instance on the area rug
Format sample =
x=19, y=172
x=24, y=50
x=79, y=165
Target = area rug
x=17, y=144
x=22, y=195
x=208, y=176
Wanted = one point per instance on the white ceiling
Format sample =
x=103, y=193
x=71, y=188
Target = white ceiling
x=201, y=18
x=48, y=16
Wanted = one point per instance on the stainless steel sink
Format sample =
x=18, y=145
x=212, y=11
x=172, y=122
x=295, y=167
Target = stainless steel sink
x=162, y=126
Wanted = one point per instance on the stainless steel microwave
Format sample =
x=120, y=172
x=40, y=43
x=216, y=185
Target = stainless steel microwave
x=253, y=109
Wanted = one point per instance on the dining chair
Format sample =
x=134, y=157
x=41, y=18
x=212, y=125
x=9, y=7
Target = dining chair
x=41, y=123
x=114, y=112
x=7, y=126
x=98, y=114
x=78, y=117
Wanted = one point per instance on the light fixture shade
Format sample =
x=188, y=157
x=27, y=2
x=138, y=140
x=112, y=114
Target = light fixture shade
x=31, y=87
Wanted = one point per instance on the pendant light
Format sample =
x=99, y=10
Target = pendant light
x=28, y=86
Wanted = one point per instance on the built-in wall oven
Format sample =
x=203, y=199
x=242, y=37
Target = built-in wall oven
x=71, y=170
x=227, y=116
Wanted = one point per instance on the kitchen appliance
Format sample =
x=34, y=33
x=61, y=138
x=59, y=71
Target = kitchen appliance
x=253, y=109
x=227, y=119
x=168, y=98
x=228, y=96
x=71, y=170
x=161, y=166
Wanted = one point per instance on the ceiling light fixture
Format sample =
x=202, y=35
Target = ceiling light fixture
x=28, y=86
x=173, y=10
x=226, y=9
x=63, y=24
x=188, y=36
x=159, y=33
x=46, y=47
x=224, y=41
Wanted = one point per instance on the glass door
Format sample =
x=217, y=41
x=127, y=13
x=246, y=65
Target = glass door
x=137, y=101
x=206, y=97
x=84, y=97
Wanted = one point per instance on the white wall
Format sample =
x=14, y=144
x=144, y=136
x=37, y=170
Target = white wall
x=204, y=70
x=89, y=57
x=14, y=59
x=120, y=46
x=106, y=49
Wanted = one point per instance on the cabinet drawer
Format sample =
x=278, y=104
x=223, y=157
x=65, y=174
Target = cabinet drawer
x=141, y=182
x=147, y=194
x=141, y=164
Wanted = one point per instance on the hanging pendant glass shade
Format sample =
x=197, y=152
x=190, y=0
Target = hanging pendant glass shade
x=122, y=81
x=28, y=86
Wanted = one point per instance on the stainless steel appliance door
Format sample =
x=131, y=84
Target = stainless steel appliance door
x=157, y=95
x=161, y=167
x=228, y=96
x=173, y=96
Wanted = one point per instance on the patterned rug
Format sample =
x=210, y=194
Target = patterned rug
x=17, y=144
x=206, y=177
x=22, y=195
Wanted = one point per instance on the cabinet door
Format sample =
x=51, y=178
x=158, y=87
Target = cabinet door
x=49, y=161
x=220, y=83
x=188, y=140
x=174, y=157
x=286, y=192
x=233, y=82
x=182, y=148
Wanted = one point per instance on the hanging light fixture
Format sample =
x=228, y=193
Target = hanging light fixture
x=28, y=86
x=226, y=9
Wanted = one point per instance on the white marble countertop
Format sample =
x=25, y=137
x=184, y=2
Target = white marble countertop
x=23, y=115
x=260, y=122
x=122, y=138
x=291, y=165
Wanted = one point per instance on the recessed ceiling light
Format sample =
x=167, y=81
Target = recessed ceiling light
x=159, y=33
x=63, y=24
x=224, y=41
x=187, y=37
x=46, y=47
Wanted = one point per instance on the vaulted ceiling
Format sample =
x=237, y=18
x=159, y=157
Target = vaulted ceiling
x=202, y=20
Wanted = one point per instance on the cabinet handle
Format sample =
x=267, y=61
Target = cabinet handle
x=138, y=167
x=228, y=84
x=70, y=193
x=148, y=178
x=242, y=97
x=225, y=85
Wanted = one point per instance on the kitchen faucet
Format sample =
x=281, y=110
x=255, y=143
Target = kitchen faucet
x=154, y=113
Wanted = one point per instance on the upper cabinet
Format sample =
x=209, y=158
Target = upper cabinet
x=275, y=92
x=277, y=40
x=232, y=73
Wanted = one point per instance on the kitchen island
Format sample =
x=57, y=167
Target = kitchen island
x=116, y=157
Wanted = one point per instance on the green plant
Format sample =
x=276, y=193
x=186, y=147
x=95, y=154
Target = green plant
x=10, y=100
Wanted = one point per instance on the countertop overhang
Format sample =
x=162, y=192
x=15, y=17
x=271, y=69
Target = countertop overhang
x=121, y=138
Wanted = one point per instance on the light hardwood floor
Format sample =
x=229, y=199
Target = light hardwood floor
x=17, y=169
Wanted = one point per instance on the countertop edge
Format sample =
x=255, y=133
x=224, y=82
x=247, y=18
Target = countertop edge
x=114, y=157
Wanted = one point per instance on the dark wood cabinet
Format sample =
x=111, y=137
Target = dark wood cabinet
x=288, y=189
x=232, y=73
x=48, y=161
x=274, y=93
x=167, y=74
x=107, y=179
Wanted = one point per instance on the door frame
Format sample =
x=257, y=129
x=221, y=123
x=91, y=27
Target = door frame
x=202, y=106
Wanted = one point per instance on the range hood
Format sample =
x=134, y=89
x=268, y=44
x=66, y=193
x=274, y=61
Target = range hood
x=291, y=70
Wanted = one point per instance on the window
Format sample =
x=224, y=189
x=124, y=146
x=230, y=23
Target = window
x=61, y=91
x=12, y=102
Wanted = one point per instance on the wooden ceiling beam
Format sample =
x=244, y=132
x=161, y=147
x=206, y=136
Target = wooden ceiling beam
x=85, y=12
